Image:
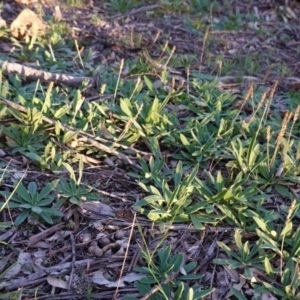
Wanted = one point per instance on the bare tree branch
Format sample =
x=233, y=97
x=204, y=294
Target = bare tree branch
x=34, y=74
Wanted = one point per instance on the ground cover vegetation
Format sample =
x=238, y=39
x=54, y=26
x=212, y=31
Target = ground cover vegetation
x=171, y=170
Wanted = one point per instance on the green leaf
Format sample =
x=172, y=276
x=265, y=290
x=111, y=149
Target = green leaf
x=202, y=294
x=197, y=223
x=178, y=173
x=195, y=207
x=179, y=291
x=164, y=255
x=219, y=182
x=274, y=290
x=32, y=188
x=150, y=85
x=36, y=210
x=295, y=251
x=25, y=205
x=229, y=213
x=184, y=140
x=61, y=112
x=149, y=200
x=45, y=202
x=262, y=224
x=142, y=288
x=190, y=266
x=53, y=212
x=22, y=192
x=190, y=277
x=22, y=217
x=253, y=151
x=126, y=107
x=191, y=176
x=47, y=189
x=233, y=264
x=4, y=225
x=238, y=240
x=71, y=171
x=287, y=229
x=176, y=262
x=238, y=294
x=283, y=191
x=190, y=294
x=69, y=135
x=155, y=147
x=75, y=200
x=46, y=217
x=34, y=157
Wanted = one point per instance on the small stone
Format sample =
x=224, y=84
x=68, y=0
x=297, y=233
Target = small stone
x=104, y=241
x=94, y=243
x=98, y=225
x=92, y=249
x=2, y=23
x=119, y=235
x=98, y=252
x=57, y=15
x=85, y=237
x=26, y=24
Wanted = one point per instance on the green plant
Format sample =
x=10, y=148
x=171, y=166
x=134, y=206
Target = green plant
x=228, y=196
x=21, y=138
x=169, y=273
x=122, y=5
x=31, y=202
x=289, y=286
x=169, y=205
x=245, y=257
x=73, y=192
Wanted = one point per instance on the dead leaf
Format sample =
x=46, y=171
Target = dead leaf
x=59, y=283
x=233, y=274
x=4, y=261
x=99, y=278
x=23, y=259
x=95, y=210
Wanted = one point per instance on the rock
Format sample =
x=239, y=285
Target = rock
x=2, y=22
x=27, y=24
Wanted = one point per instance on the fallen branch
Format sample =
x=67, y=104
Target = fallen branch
x=34, y=74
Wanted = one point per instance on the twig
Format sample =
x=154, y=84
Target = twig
x=133, y=263
x=125, y=257
x=34, y=74
x=112, y=195
x=73, y=261
x=86, y=139
x=135, y=11
x=204, y=262
x=36, y=238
